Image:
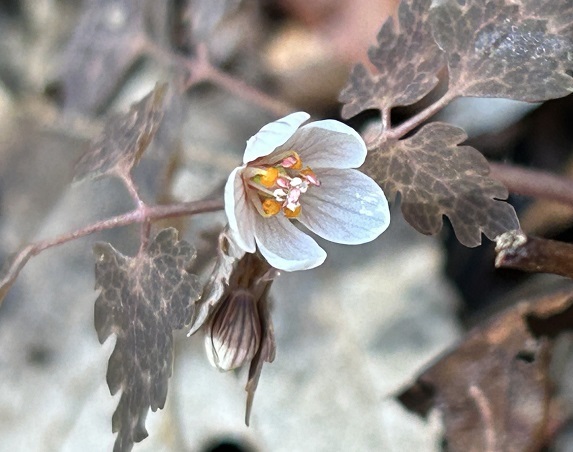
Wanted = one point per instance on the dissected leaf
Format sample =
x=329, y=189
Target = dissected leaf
x=124, y=139
x=106, y=42
x=142, y=300
x=437, y=177
x=496, y=49
x=407, y=60
x=494, y=389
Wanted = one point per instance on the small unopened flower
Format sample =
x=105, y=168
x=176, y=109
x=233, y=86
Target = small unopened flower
x=306, y=174
x=233, y=336
x=234, y=314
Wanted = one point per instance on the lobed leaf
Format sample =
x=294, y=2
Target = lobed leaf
x=106, y=42
x=494, y=389
x=437, y=177
x=498, y=49
x=124, y=139
x=407, y=60
x=142, y=300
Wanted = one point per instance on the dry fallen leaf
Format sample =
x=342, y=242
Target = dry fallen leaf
x=494, y=389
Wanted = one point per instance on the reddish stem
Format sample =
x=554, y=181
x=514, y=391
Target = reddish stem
x=533, y=254
x=200, y=69
x=143, y=214
x=532, y=182
x=416, y=120
x=247, y=92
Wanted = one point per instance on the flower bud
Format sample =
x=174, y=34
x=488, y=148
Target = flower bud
x=233, y=336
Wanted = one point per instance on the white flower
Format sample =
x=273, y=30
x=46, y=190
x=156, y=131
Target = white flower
x=303, y=173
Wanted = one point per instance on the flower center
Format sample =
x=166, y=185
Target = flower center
x=280, y=186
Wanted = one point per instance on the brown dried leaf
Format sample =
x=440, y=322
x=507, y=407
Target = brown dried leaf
x=142, y=300
x=497, y=49
x=107, y=41
x=407, y=61
x=124, y=139
x=437, y=177
x=494, y=389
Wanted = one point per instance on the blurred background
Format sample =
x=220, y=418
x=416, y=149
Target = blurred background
x=350, y=334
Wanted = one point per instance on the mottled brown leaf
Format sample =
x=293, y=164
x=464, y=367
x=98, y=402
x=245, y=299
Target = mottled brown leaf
x=142, y=300
x=124, y=138
x=558, y=14
x=108, y=39
x=437, y=177
x=407, y=59
x=494, y=389
x=496, y=49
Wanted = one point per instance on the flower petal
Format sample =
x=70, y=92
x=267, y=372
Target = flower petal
x=328, y=144
x=239, y=212
x=285, y=247
x=273, y=135
x=348, y=207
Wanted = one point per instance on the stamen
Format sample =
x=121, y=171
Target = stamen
x=292, y=213
x=293, y=196
x=269, y=177
x=280, y=187
x=271, y=207
x=310, y=176
x=283, y=182
x=292, y=161
x=296, y=181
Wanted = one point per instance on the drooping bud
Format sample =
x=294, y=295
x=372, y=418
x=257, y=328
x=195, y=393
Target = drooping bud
x=234, y=313
x=234, y=334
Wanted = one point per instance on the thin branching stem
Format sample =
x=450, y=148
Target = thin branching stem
x=385, y=117
x=247, y=92
x=201, y=69
x=533, y=182
x=131, y=188
x=416, y=120
x=138, y=215
x=142, y=214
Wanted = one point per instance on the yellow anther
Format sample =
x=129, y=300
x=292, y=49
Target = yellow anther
x=271, y=207
x=269, y=177
x=298, y=164
x=292, y=213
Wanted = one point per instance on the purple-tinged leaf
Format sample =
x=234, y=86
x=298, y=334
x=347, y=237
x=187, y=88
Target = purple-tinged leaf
x=496, y=49
x=106, y=42
x=407, y=60
x=142, y=300
x=124, y=138
x=559, y=14
x=436, y=177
